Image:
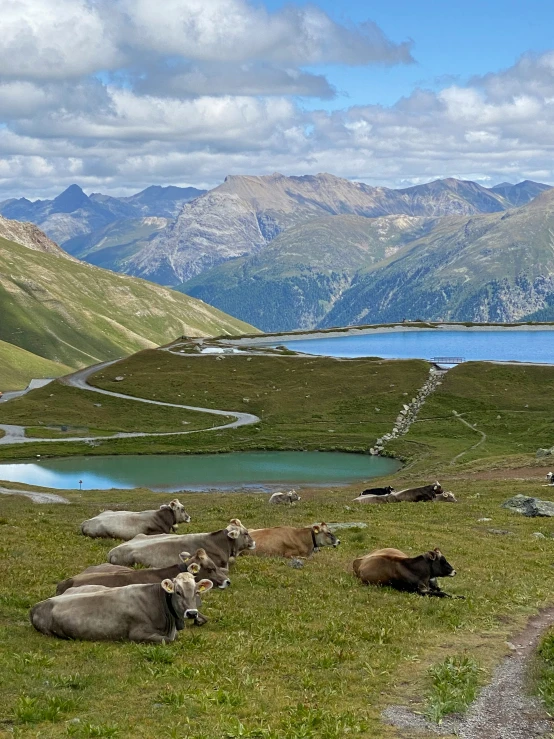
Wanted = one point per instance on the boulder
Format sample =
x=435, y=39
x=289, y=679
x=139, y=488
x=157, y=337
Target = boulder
x=529, y=506
x=350, y=525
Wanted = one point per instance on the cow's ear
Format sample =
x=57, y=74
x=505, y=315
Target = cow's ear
x=167, y=585
x=203, y=586
x=432, y=554
x=236, y=522
x=193, y=568
x=233, y=533
x=184, y=556
x=438, y=552
x=174, y=503
x=316, y=529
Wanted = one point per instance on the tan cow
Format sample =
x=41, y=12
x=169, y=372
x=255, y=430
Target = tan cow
x=222, y=546
x=143, y=613
x=127, y=524
x=289, y=541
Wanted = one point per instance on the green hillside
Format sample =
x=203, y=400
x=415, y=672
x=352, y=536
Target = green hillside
x=295, y=281
x=18, y=366
x=77, y=314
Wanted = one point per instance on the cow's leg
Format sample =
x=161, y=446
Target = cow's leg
x=142, y=634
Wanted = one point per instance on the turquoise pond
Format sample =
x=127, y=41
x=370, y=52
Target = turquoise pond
x=248, y=470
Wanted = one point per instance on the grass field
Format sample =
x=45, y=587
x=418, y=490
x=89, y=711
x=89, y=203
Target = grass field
x=18, y=367
x=303, y=403
x=60, y=405
x=287, y=653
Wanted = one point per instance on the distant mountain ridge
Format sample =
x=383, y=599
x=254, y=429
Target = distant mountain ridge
x=495, y=266
x=73, y=214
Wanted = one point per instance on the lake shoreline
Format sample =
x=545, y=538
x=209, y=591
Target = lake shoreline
x=273, y=339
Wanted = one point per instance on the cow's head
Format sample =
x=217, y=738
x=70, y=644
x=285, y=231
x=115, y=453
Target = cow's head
x=293, y=496
x=389, y=489
x=323, y=536
x=181, y=516
x=184, y=592
x=240, y=535
x=437, y=488
x=202, y=567
x=438, y=564
x=446, y=497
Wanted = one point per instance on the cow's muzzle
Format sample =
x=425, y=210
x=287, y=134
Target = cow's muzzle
x=252, y=546
x=452, y=574
x=336, y=543
x=191, y=613
x=224, y=584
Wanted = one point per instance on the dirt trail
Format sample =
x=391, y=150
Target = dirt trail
x=504, y=709
x=474, y=446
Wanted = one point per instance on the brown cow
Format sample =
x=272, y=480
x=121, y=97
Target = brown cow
x=200, y=566
x=288, y=541
x=396, y=569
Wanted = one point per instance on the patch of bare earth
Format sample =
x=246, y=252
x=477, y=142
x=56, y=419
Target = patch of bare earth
x=503, y=710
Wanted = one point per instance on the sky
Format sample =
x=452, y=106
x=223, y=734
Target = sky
x=117, y=95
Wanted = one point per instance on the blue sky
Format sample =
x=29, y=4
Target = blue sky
x=452, y=41
x=116, y=95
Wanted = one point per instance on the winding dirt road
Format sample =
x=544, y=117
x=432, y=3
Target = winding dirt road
x=16, y=434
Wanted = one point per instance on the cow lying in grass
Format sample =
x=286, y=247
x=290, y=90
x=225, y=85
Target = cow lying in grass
x=286, y=498
x=143, y=613
x=288, y=541
x=127, y=524
x=410, y=495
x=413, y=574
x=378, y=491
x=222, y=546
x=199, y=565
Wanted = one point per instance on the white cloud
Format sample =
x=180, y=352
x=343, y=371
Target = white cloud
x=54, y=39
x=204, y=89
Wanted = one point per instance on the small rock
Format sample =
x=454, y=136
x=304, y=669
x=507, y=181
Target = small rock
x=98, y=405
x=296, y=563
x=350, y=525
x=347, y=508
x=538, y=535
x=499, y=532
x=119, y=378
x=482, y=520
x=512, y=647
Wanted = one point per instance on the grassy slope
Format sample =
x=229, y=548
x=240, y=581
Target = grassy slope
x=18, y=366
x=304, y=403
x=510, y=404
x=77, y=314
x=308, y=653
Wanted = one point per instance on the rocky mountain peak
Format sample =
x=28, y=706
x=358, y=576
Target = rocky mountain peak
x=70, y=200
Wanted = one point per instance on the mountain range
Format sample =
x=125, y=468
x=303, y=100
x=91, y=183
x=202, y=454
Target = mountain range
x=75, y=314
x=317, y=250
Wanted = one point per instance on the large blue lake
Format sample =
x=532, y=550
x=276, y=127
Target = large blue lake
x=520, y=345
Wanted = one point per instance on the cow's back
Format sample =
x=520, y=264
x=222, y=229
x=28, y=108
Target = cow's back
x=380, y=566
x=282, y=541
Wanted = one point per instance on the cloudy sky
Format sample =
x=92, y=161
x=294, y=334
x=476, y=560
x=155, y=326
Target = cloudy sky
x=116, y=95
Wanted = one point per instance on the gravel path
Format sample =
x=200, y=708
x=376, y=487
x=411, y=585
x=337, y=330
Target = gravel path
x=16, y=434
x=503, y=710
x=35, y=497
